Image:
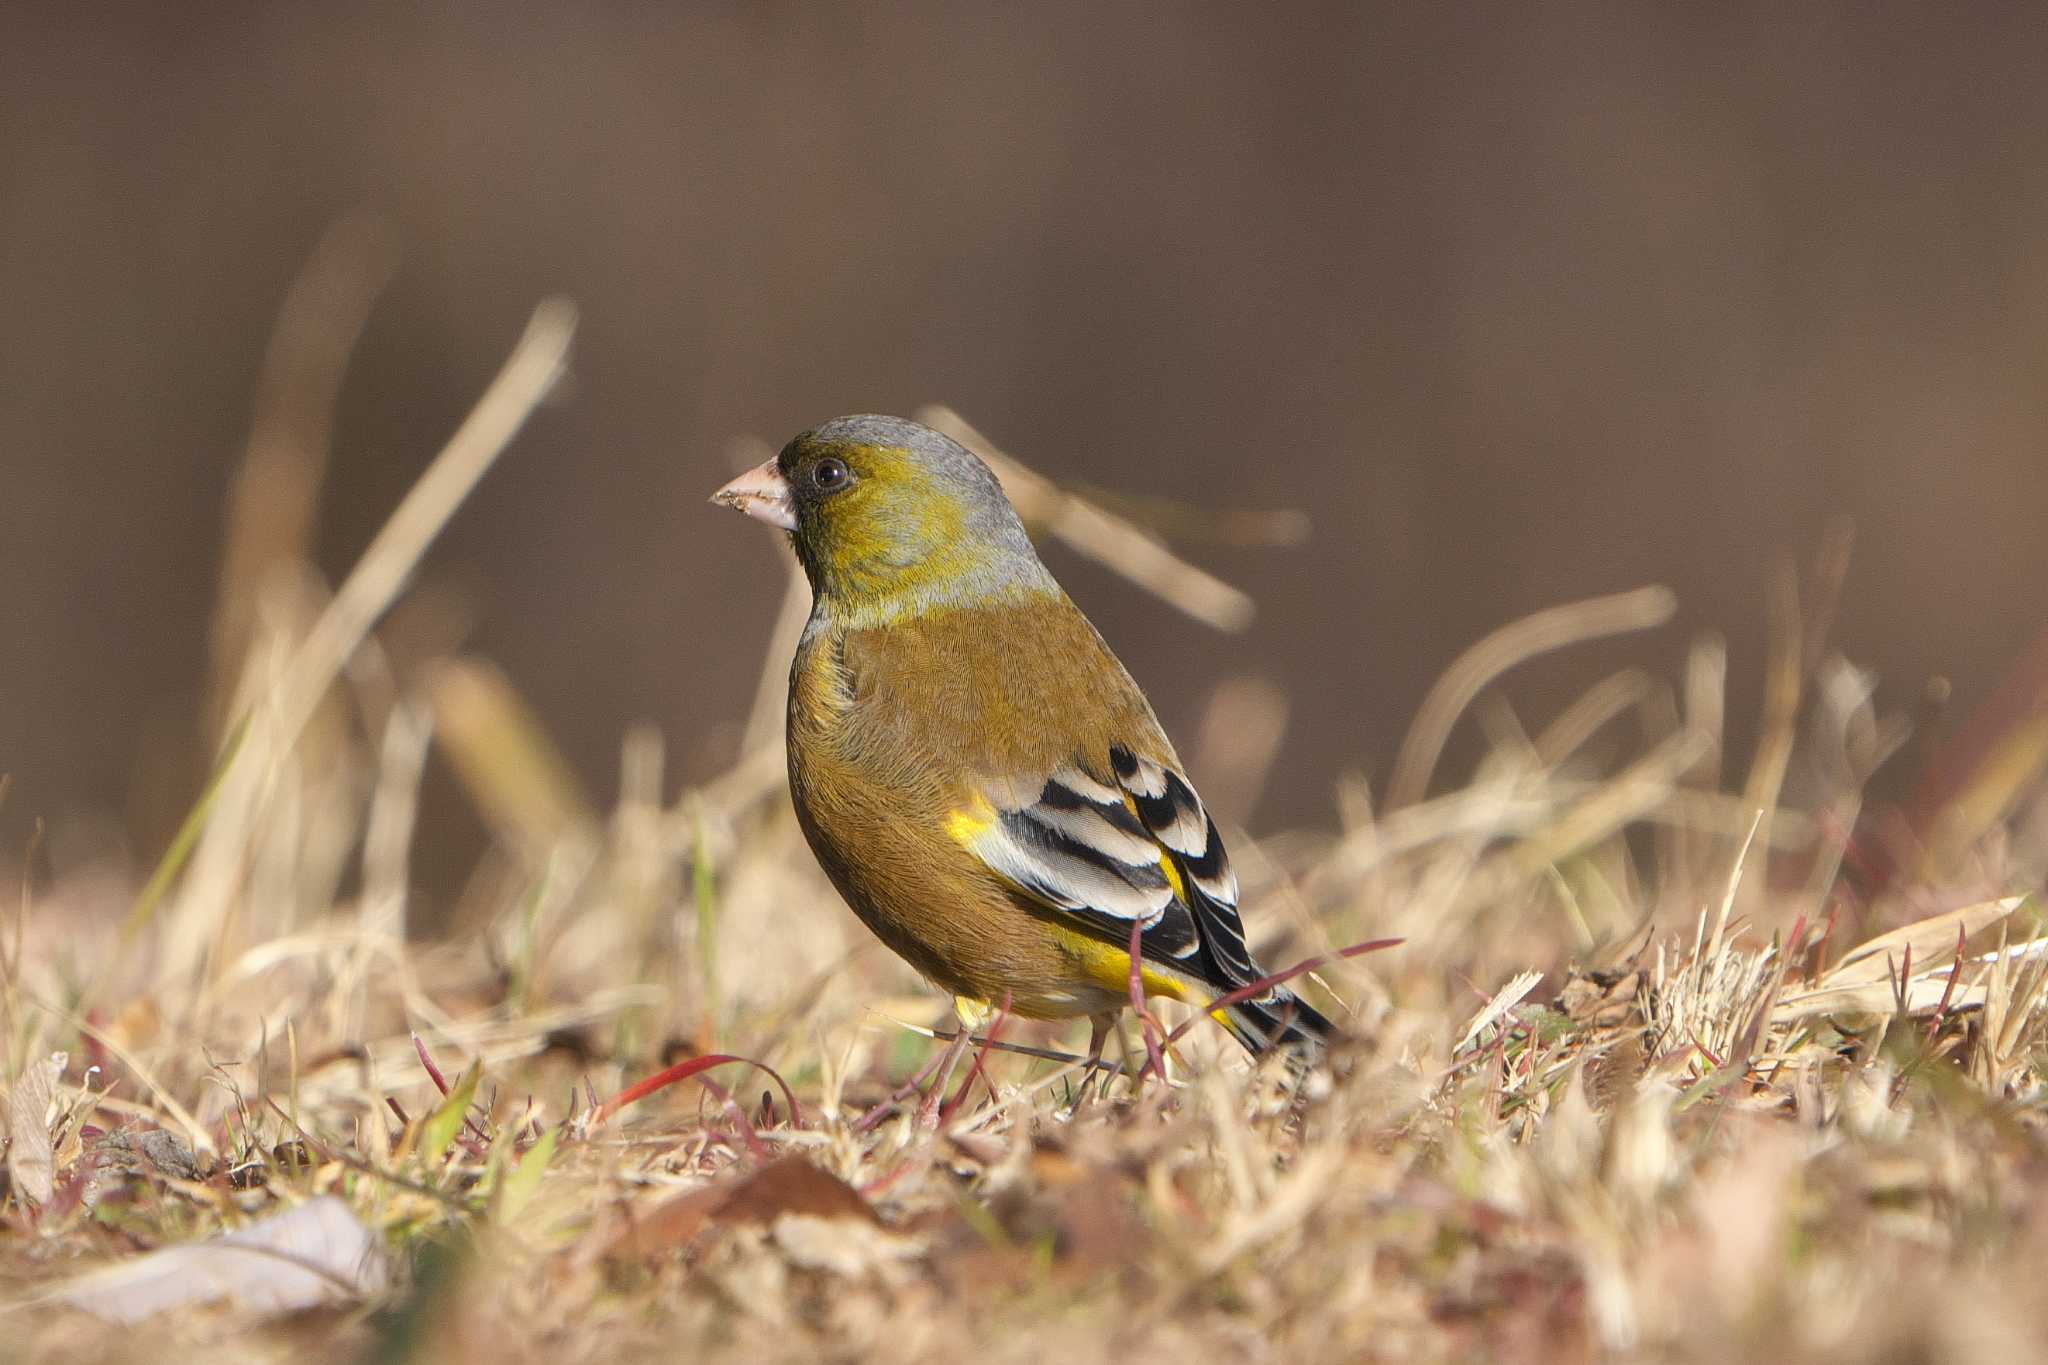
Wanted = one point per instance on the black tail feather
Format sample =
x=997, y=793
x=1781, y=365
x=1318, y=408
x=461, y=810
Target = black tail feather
x=1280, y=1019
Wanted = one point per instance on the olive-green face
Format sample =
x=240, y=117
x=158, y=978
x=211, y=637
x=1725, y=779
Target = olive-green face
x=835, y=484
x=870, y=517
x=884, y=507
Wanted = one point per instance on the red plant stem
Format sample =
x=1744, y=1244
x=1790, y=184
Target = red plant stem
x=1852, y=851
x=683, y=1071
x=419, y=1045
x=440, y=1081
x=1791, y=949
x=1948, y=992
x=739, y=1117
x=1281, y=978
x=902, y=1092
x=1827, y=936
x=1706, y=1052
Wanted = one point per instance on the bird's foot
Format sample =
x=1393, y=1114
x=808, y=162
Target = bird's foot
x=1095, y=1075
x=933, y=1103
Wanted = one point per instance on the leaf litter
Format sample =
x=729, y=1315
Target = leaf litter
x=1670, y=1129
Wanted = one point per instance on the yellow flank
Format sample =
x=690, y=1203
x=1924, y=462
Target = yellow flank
x=1110, y=967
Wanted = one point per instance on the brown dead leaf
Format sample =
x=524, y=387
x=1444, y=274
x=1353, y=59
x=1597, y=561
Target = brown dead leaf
x=791, y=1186
x=1602, y=999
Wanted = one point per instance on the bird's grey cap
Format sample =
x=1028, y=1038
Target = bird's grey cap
x=935, y=450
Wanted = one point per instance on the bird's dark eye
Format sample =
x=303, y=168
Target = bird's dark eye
x=830, y=474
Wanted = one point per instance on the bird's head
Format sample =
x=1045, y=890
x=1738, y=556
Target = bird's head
x=890, y=517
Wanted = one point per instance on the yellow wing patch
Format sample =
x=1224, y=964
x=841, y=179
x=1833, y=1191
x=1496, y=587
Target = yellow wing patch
x=1172, y=871
x=1166, y=863
x=966, y=825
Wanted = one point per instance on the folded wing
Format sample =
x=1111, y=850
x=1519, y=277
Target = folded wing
x=1136, y=848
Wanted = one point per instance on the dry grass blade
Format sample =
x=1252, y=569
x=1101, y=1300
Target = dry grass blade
x=1540, y=633
x=1998, y=761
x=1646, y=784
x=522, y=784
x=771, y=694
x=1727, y=906
x=1930, y=941
x=284, y=696
x=528, y=374
x=1783, y=676
x=1600, y=704
x=272, y=508
x=1932, y=990
x=1498, y=1007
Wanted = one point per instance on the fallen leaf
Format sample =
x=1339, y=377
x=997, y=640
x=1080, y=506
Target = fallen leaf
x=317, y=1253
x=789, y=1186
x=793, y=1185
x=30, y=1161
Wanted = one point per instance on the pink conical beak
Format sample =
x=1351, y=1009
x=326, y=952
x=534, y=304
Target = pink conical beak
x=762, y=493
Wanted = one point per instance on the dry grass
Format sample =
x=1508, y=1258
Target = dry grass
x=1667, y=1065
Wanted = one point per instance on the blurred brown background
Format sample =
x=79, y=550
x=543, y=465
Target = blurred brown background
x=1521, y=307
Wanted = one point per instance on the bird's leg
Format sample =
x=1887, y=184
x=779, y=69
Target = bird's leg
x=1133, y=1061
x=965, y=1014
x=1099, y=1026
x=928, y=1108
